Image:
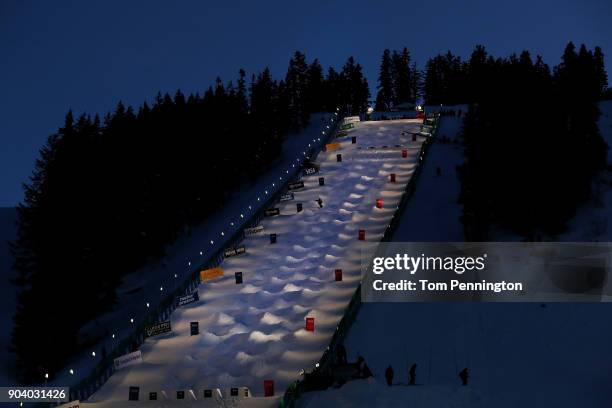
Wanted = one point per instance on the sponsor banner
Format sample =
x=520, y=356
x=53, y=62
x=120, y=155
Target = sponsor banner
x=160, y=328
x=296, y=185
x=309, y=171
x=254, y=230
x=272, y=211
x=286, y=197
x=211, y=273
x=332, y=146
x=238, y=392
x=190, y=298
x=127, y=360
x=351, y=119
x=346, y=127
x=234, y=251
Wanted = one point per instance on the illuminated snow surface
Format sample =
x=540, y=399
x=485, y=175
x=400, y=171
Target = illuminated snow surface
x=255, y=331
x=518, y=354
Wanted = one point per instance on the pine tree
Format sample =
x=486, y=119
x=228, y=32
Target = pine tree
x=401, y=77
x=296, y=82
x=355, y=90
x=385, y=96
x=601, y=76
x=314, y=92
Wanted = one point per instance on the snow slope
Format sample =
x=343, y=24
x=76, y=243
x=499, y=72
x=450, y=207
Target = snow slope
x=187, y=253
x=528, y=355
x=255, y=331
x=432, y=213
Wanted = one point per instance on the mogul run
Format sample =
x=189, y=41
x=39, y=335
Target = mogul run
x=454, y=285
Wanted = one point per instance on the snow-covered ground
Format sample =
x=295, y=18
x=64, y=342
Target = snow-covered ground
x=528, y=355
x=188, y=252
x=432, y=213
x=255, y=331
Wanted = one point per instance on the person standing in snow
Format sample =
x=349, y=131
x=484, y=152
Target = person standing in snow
x=412, y=374
x=320, y=202
x=389, y=375
x=464, y=375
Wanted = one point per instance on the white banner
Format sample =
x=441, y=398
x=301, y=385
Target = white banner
x=127, y=360
x=351, y=119
x=254, y=230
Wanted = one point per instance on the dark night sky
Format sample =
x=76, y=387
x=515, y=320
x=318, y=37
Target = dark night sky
x=57, y=55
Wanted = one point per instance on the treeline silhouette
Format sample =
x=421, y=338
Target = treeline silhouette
x=399, y=80
x=106, y=196
x=532, y=142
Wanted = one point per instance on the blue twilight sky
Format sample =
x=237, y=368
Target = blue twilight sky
x=85, y=55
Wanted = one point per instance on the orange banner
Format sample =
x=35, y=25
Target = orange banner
x=332, y=146
x=211, y=273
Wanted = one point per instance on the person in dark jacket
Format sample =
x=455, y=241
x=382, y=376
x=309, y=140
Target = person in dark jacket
x=412, y=374
x=389, y=375
x=464, y=375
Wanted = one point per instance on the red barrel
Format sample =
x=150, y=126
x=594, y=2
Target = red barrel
x=362, y=235
x=268, y=388
x=392, y=177
x=379, y=202
x=338, y=275
x=310, y=324
x=404, y=152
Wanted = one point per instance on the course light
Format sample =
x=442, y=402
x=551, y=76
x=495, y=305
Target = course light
x=113, y=335
x=71, y=371
x=222, y=233
x=46, y=376
x=131, y=320
x=175, y=276
x=241, y=215
x=93, y=353
x=161, y=288
x=147, y=304
x=189, y=263
x=212, y=242
x=200, y=253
